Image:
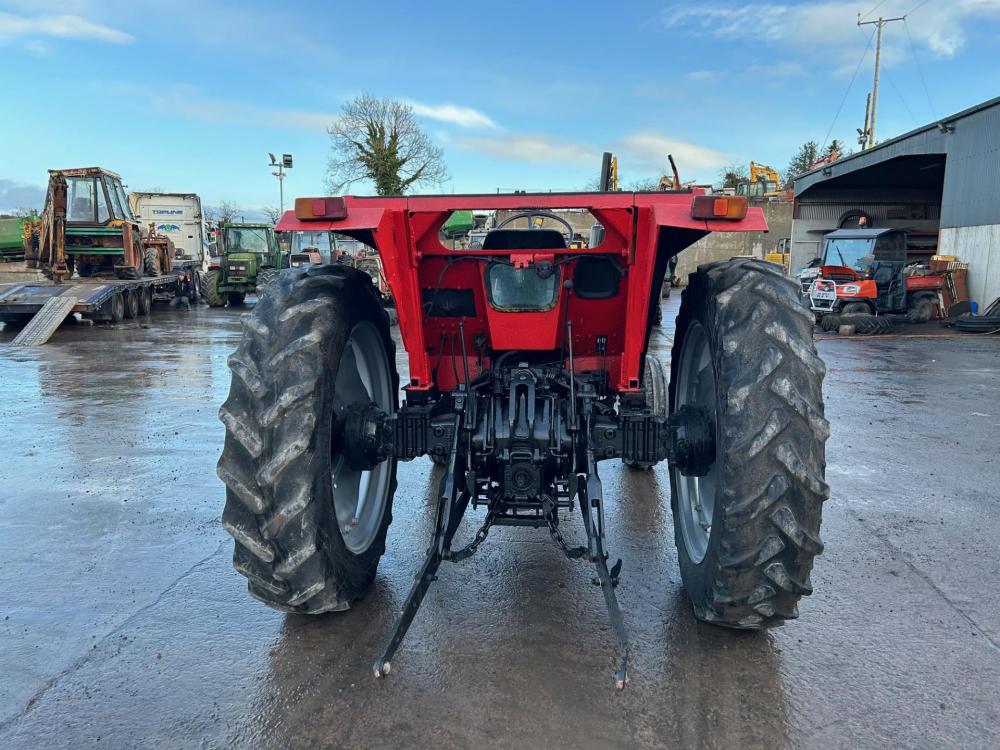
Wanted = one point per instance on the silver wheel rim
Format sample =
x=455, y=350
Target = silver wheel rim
x=696, y=495
x=359, y=497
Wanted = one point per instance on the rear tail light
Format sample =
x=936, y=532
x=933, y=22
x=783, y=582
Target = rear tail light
x=727, y=207
x=320, y=208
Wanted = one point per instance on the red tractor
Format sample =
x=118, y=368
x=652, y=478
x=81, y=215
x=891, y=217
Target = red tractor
x=528, y=367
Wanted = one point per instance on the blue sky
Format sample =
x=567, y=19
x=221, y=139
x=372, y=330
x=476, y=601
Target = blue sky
x=190, y=96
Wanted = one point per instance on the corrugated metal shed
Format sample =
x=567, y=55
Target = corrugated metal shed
x=970, y=140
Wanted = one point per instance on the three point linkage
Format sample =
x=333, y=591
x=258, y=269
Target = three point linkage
x=452, y=504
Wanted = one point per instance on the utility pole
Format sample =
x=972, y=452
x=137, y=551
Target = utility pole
x=878, y=54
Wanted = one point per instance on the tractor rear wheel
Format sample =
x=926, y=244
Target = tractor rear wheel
x=309, y=530
x=748, y=530
x=264, y=278
x=655, y=383
x=151, y=261
x=208, y=288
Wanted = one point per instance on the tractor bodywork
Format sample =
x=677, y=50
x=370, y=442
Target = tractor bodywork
x=527, y=367
x=435, y=288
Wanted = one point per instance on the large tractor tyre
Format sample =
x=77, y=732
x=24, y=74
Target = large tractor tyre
x=748, y=530
x=655, y=384
x=309, y=530
x=236, y=299
x=151, y=261
x=208, y=288
x=266, y=277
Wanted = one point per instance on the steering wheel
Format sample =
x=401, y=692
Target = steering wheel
x=530, y=215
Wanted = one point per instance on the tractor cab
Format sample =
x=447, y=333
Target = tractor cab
x=309, y=248
x=94, y=196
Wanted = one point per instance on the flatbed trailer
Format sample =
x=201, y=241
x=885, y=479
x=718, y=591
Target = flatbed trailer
x=98, y=299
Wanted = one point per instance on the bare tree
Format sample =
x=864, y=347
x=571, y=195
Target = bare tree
x=733, y=175
x=380, y=140
x=644, y=185
x=227, y=212
x=272, y=213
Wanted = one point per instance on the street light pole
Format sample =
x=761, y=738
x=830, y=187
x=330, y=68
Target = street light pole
x=285, y=163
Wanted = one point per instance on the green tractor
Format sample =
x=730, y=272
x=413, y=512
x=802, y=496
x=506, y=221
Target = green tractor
x=247, y=257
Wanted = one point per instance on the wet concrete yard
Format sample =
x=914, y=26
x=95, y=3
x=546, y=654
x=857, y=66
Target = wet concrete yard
x=122, y=623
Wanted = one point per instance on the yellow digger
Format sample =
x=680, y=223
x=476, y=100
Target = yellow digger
x=88, y=227
x=764, y=182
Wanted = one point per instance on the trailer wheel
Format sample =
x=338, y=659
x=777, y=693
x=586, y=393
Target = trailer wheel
x=131, y=299
x=208, y=288
x=748, y=530
x=655, y=383
x=116, y=307
x=151, y=262
x=146, y=300
x=309, y=531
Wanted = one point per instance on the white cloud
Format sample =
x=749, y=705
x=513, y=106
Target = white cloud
x=643, y=151
x=190, y=103
x=648, y=150
x=815, y=29
x=702, y=75
x=532, y=148
x=454, y=114
x=61, y=27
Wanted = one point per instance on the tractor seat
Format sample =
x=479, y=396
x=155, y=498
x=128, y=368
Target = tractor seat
x=524, y=239
x=884, y=275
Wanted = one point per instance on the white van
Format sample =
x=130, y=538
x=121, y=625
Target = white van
x=177, y=216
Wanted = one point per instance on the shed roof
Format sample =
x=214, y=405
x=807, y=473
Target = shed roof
x=926, y=139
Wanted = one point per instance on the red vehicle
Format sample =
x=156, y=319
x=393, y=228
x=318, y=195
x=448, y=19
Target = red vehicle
x=864, y=271
x=528, y=367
